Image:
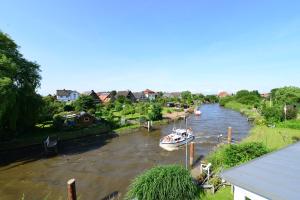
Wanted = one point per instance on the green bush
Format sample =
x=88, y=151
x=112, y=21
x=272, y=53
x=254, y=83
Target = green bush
x=58, y=121
x=225, y=100
x=238, y=154
x=170, y=182
x=272, y=114
x=293, y=124
x=291, y=112
x=233, y=155
x=154, y=112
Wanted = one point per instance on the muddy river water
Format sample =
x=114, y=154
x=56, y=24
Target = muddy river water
x=103, y=166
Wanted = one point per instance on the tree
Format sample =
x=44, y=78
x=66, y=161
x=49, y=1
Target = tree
x=50, y=107
x=154, y=112
x=286, y=95
x=163, y=182
x=248, y=97
x=19, y=79
x=85, y=103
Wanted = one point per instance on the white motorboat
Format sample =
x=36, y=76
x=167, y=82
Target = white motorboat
x=197, y=111
x=177, y=138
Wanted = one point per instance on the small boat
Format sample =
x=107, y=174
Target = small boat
x=51, y=145
x=177, y=138
x=197, y=111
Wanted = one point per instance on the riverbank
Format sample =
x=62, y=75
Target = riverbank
x=273, y=138
x=37, y=136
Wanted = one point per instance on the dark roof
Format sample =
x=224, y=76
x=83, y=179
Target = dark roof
x=139, y=95
x=64, y=92
x=123, y=93
x=273, y=176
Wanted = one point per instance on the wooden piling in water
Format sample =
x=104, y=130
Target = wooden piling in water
x=71, y=189
x=229, y=135
x=192, y=153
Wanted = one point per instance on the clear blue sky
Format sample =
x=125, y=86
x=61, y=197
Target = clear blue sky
x=168, y=45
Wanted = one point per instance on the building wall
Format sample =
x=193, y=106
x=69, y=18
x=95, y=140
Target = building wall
x=241, y=194
x=73, y=96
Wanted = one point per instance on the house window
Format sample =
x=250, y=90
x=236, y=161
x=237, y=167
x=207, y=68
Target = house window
x=247, y=198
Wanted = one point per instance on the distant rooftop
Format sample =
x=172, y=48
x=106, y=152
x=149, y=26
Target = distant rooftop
x=274, y=176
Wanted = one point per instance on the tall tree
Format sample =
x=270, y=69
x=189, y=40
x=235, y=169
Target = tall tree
x=19, y=79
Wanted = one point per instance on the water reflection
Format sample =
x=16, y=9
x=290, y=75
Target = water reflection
x=109, y=166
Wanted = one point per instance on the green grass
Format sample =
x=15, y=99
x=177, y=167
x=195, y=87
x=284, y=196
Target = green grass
x=293, y=124
x=126, y=129
x=129, y=116
x=167, y=110
x=221, y=194
x=273, y=138
x=246, y=110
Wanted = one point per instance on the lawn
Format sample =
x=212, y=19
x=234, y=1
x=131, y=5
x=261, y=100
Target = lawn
x=273, y=138
x=221, y=194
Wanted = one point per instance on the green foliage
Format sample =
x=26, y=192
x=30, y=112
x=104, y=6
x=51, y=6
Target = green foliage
x=50, y=107
x=84, y=103
x=272, y=114
x=58, y=121
x=69, y=107
x=291, y=112
x=293, y=124
x=211, y=99
x=221, y=194
x=128, y=109
x=225, y=100
x=233, y=155
x=286, y=95
x=154, y=112
x=19, y=79
x=163, y=182
x=248, y=97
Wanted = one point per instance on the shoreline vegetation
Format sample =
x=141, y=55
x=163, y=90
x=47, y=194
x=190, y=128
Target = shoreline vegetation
x=271, y=134
x=36, y=137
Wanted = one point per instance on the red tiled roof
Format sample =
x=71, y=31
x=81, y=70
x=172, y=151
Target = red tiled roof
x=147, y=91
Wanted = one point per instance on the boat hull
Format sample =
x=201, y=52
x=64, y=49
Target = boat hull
x=174, y=146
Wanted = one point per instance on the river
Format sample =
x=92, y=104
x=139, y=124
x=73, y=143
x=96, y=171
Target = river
x=101, y=167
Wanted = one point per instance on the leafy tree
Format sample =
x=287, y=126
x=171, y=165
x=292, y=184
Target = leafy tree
x=286, y=95
x=211, y=98
x=128, y=109
x=248, y=97
x=185, y=95
x=225, y=100
x=85, y=103
x=163, y=182
x=19, y=79
x=155, y=112
x=272, y=114
x=50, y=107
x=69, y=107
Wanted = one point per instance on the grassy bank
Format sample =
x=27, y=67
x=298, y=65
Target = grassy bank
x=273, y=138
x=222, y=194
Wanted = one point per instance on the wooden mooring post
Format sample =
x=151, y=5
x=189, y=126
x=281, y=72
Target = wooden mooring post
x=71, y=189
x=229, y=135
x=192, y=153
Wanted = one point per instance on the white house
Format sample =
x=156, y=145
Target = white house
x=66, y=95
x=274, y=176
x=149, y=94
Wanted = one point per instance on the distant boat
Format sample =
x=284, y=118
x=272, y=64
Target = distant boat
x=197, y=111
x=177, y=138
